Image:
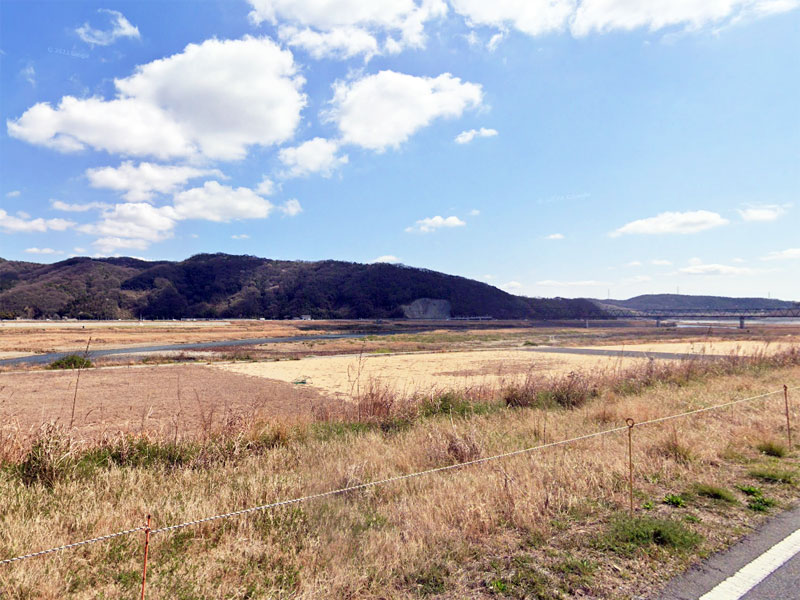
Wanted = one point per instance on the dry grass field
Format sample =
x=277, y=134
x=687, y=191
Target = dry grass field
x=185, y=441
x=423, y=373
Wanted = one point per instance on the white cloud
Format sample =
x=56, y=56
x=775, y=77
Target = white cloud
x=788, y=254
x=43, y=251
x=608, y=15
x=465, y=137
x=386, y=258
x=385, y=109
x=637, y=279
x=495, y=40
x=214, y=99
x=673, y=222
x=431, y=224
x=28, y=73
x=341, y=42
x=266, y=187
x=120, y=28
x=634, y=263
x=133, y=220
x=240, y=236
x=24, y=224
x=554, y=236
x=765, y=212
x=13, y=194
x=533, y=17
x=140, y=183
x=660, y=262
x=474, y=212
x=537, y=17
x=220, y=203
x=715, y=269
x=314, y=156
x=512, y=285
x=109, y=245
x=401, y=21
x=63, y=206
x=581, y=283
x=291, y=208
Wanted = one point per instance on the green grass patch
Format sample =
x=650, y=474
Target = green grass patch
x=705, y=490
x=771, y=448
x=675, y=500
x=771, y=475
x=625, y=535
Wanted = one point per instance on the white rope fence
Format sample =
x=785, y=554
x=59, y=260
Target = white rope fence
x=389, y=480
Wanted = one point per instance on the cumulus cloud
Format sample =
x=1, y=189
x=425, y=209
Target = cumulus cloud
x=43, y=251
x=13, y=194
x=240, y=236
x=341, y=43
x=386, y=258
x=764, y=212
x=533, y=17
x=673, y=222
x=715, y=269
x=511, y=285
x=109, y=245
x=135, y=221
x=140, y=182
x=401, y=22
x=212, y=100
x=120, y=27
x=431, y=224
x=360, y=108
x=554, y=236
x=266, y=187
x=24, y=224
x=465, y=137
x=221, y=203
x=314, y=156
x=291, y=208
x=788, y=254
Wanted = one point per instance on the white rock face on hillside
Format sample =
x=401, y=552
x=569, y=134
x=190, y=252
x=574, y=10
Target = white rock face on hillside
x=427, y=308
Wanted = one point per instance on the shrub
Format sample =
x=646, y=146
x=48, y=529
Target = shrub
x=71, y=361
x=49, y=460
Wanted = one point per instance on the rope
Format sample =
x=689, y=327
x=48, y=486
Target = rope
x=388, y=480
x=102, y=538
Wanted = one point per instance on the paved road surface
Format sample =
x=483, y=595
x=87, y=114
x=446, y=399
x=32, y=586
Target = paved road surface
x=782, y=584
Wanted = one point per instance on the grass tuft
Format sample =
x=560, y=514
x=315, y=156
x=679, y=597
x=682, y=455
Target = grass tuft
x=625, y=535
x=772, y=448
x=771, y=475
x=714, y=492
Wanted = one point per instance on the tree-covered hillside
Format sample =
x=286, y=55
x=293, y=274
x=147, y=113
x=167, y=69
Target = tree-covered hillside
x=222, y=285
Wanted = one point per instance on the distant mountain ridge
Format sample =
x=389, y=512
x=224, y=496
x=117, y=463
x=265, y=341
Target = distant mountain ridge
x=685, y=302
x=228, y=286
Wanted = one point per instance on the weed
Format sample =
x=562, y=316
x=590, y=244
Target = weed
x=627, y=534
x=675, y=500
x=714, y=492
x=749, y=490
x=428, y=581
x=772, y=448
x=760, y=504
x=775, y=475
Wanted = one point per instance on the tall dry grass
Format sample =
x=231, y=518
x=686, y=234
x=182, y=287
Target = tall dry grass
x=456, y=535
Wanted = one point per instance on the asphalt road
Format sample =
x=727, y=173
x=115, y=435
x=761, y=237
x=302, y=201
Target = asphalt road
x=781, y=584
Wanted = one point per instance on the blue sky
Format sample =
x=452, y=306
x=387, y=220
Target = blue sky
x=564, y=147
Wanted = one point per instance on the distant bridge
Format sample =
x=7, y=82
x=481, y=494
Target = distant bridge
x=706, y=313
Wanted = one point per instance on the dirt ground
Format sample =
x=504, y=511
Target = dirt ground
x=55, y=336
x=181, y=399
x=422, y=372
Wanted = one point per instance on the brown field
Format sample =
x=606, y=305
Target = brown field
x=176, y=401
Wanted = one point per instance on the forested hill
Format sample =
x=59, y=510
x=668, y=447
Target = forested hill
x=222, y=285
x=685, y=302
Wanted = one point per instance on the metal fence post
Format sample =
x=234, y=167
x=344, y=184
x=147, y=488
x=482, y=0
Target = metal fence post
x=146, y=547
x=788, y=421
x=630, y=423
